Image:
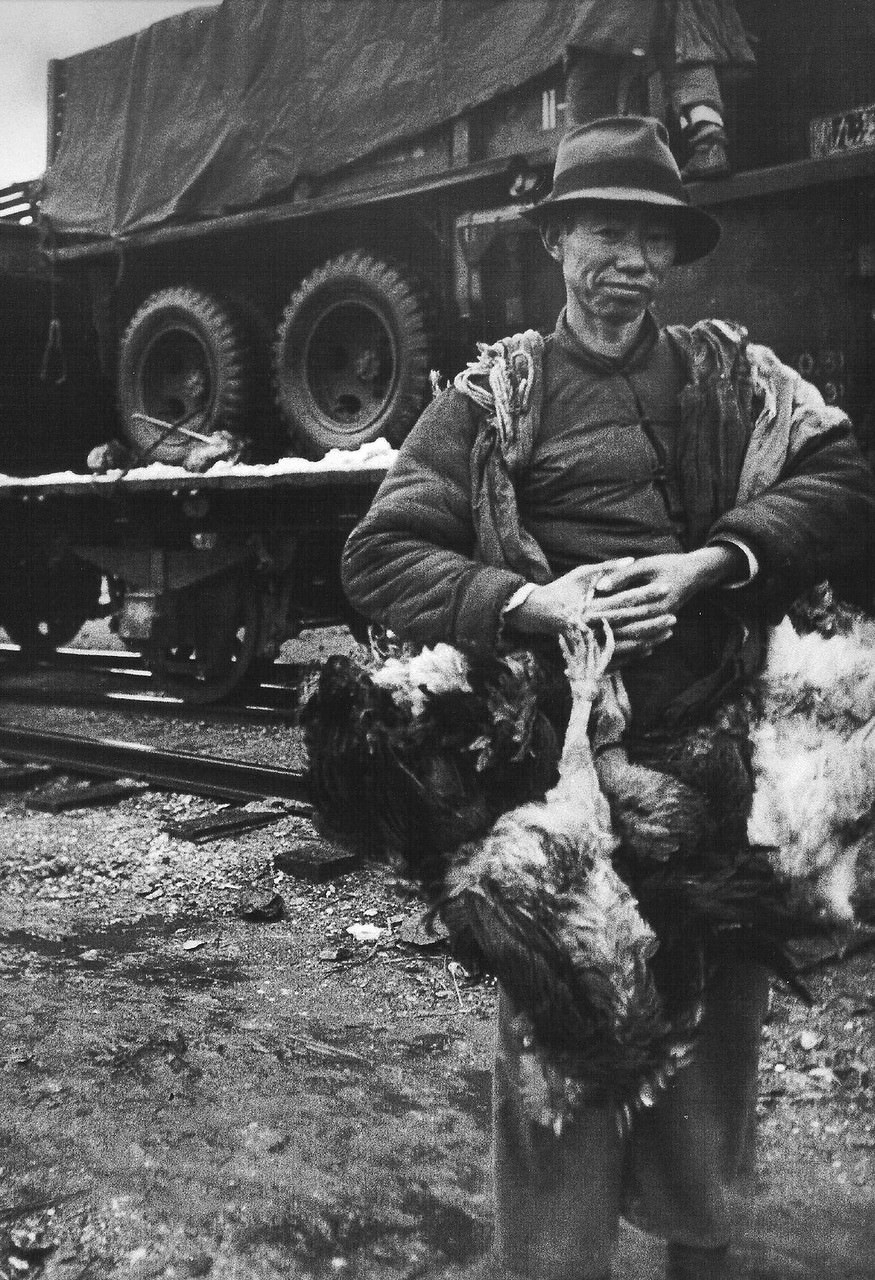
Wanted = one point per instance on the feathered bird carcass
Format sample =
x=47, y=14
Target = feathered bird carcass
x=564, y=896
x=814, y=766
x=411, y=755
x=424, y=753
x=538, y=903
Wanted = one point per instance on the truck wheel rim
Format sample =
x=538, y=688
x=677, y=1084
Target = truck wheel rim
x=350, y=364
x=177, y=380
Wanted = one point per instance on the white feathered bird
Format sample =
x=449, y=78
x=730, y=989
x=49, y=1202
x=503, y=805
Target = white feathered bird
x=814, y=765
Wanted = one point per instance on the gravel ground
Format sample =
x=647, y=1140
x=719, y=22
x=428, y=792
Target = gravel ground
x=187, y=1092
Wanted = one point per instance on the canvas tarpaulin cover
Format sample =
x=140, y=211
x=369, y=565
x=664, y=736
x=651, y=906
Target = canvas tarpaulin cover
x=218, y=109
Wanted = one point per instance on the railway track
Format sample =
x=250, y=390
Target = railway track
x=237, y=780
x=98, y=678
x=117, y=681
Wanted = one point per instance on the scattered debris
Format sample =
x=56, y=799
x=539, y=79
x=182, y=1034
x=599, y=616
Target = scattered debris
x=365, y=932
x=316, y=860
x=306, y=1045
x=260, y=904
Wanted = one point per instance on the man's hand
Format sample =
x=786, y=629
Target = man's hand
x=640, y=601
x=638, y=598
x=550, y=609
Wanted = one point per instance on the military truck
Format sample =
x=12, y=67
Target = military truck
x=275, y=218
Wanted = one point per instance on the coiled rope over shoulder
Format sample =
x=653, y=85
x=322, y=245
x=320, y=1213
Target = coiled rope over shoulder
x=506, y=384
x=509, y=369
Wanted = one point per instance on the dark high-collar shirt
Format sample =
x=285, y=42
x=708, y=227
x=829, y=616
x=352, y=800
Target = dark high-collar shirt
x=601, y=480
x=602, y=485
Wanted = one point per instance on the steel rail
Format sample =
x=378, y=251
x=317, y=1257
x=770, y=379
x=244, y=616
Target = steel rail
x=118, y=701
x=165, y=770
x=272, y=695
x=132, y=665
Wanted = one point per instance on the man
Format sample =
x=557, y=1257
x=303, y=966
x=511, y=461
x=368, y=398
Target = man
x=614, y=44
x=467, y=544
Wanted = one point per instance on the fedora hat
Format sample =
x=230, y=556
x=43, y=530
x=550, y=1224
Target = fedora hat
x=627, y=159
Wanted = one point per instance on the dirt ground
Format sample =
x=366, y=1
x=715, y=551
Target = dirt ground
x=186, y=1092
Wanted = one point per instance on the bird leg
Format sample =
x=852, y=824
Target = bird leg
x=586, y=660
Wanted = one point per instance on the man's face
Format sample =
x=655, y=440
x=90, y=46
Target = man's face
x=614, y=258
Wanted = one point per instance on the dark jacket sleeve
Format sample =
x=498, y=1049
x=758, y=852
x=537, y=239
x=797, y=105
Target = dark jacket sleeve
x=816, y=521
x=409, y=563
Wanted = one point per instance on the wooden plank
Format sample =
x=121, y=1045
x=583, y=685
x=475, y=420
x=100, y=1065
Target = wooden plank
x=229, y=822
x=315, y=860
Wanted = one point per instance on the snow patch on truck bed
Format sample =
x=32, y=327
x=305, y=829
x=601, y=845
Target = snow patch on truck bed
x=377, y=453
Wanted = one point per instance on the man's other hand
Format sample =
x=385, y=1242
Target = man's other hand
x=638, y=598
x=641, y=600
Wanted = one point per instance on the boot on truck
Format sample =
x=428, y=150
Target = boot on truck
x=333, y=213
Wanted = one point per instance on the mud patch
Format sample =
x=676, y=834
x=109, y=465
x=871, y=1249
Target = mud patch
x=448, y=1228
x=476, y=1094
x=120, y=947
x=432, y=1042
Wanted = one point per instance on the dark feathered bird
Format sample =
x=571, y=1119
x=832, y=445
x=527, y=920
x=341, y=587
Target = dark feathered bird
x=538, y=903
x=411, y=757
x=564, y=896
x=534, y=898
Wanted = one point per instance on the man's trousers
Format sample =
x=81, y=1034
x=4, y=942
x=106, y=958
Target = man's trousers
x=558, y=1200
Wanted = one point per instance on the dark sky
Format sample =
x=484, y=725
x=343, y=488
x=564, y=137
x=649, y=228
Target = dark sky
x=31, y=32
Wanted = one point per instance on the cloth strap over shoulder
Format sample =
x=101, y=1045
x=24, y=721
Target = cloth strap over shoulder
x=793, y=414
x=506, y=382
x=726, y=454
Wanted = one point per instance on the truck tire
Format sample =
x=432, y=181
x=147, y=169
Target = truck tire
x=183, y=361
x=45, y=601
x=220, y=624
x=351, y=356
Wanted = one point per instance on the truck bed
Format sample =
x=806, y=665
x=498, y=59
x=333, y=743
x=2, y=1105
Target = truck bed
x=363, y=468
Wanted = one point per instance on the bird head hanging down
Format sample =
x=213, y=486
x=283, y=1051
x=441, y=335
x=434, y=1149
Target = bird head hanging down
x=537, y=902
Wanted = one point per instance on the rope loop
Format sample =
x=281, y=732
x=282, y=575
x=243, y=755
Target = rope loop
x=510, y=378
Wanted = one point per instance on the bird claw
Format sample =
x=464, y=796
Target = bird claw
x=586, y=655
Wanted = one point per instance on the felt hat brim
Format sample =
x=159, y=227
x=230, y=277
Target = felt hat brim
x=627, y=160
x=696, y=232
